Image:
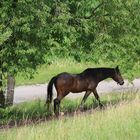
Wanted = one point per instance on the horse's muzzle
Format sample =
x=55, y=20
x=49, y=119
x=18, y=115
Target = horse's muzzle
x=121, y=83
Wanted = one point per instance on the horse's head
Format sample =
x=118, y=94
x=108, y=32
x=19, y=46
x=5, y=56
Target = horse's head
x=117, y=76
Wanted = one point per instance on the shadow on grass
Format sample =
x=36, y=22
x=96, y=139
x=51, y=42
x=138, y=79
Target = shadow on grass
x=23, y=112
x=109, y=100
x=36, y=110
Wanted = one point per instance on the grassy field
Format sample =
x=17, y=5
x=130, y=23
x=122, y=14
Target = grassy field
x=46, y=72
x=119, y=121
x=37, y=109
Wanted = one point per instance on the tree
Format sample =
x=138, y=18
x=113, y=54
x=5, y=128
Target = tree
x=22, y=39
x=105, y=30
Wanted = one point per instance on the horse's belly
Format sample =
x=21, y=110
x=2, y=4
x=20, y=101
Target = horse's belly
x=78, y=88
x=77, y=91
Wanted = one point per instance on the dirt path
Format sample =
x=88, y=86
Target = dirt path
x=32, y=92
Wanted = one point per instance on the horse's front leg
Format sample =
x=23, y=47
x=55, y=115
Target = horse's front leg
x=98, y=98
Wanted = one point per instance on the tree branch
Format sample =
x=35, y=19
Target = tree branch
x=93, y=11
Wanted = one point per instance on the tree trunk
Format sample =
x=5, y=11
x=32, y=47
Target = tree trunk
x=10, y=90
x=2, y=97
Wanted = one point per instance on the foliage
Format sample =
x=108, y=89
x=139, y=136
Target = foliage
x=22, y=35
x=88, y=30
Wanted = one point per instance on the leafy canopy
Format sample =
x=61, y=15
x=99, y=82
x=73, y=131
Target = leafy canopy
x=32, y=33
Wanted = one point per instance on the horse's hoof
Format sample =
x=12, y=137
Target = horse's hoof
x=62, y=113
x=56, y=114
x=81, y=108
x=102, y=106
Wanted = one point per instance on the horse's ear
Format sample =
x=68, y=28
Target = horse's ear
x=117, y=68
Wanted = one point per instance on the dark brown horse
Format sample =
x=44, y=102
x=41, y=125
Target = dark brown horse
x=85, y=81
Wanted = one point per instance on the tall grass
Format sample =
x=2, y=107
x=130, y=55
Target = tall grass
x=114, y=123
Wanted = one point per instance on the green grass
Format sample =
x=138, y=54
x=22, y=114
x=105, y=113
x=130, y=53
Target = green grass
x=116, y=122
x=45, y=72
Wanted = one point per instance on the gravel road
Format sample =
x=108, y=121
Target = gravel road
x=39, y=91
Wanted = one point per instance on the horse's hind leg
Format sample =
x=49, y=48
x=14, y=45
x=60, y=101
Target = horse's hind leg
x=57, y=102
x=84, y=98
x=48, y=103
x=98, y=98
x=56, y=106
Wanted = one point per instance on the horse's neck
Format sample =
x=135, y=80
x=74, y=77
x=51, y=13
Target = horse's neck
x=104, y=74
x=97, y=74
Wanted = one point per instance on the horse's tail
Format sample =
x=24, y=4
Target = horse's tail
x=50, y=90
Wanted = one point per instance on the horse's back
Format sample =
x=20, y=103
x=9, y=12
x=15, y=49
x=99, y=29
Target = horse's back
x=71, y=82
x=65, y=79
x=65, y=76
